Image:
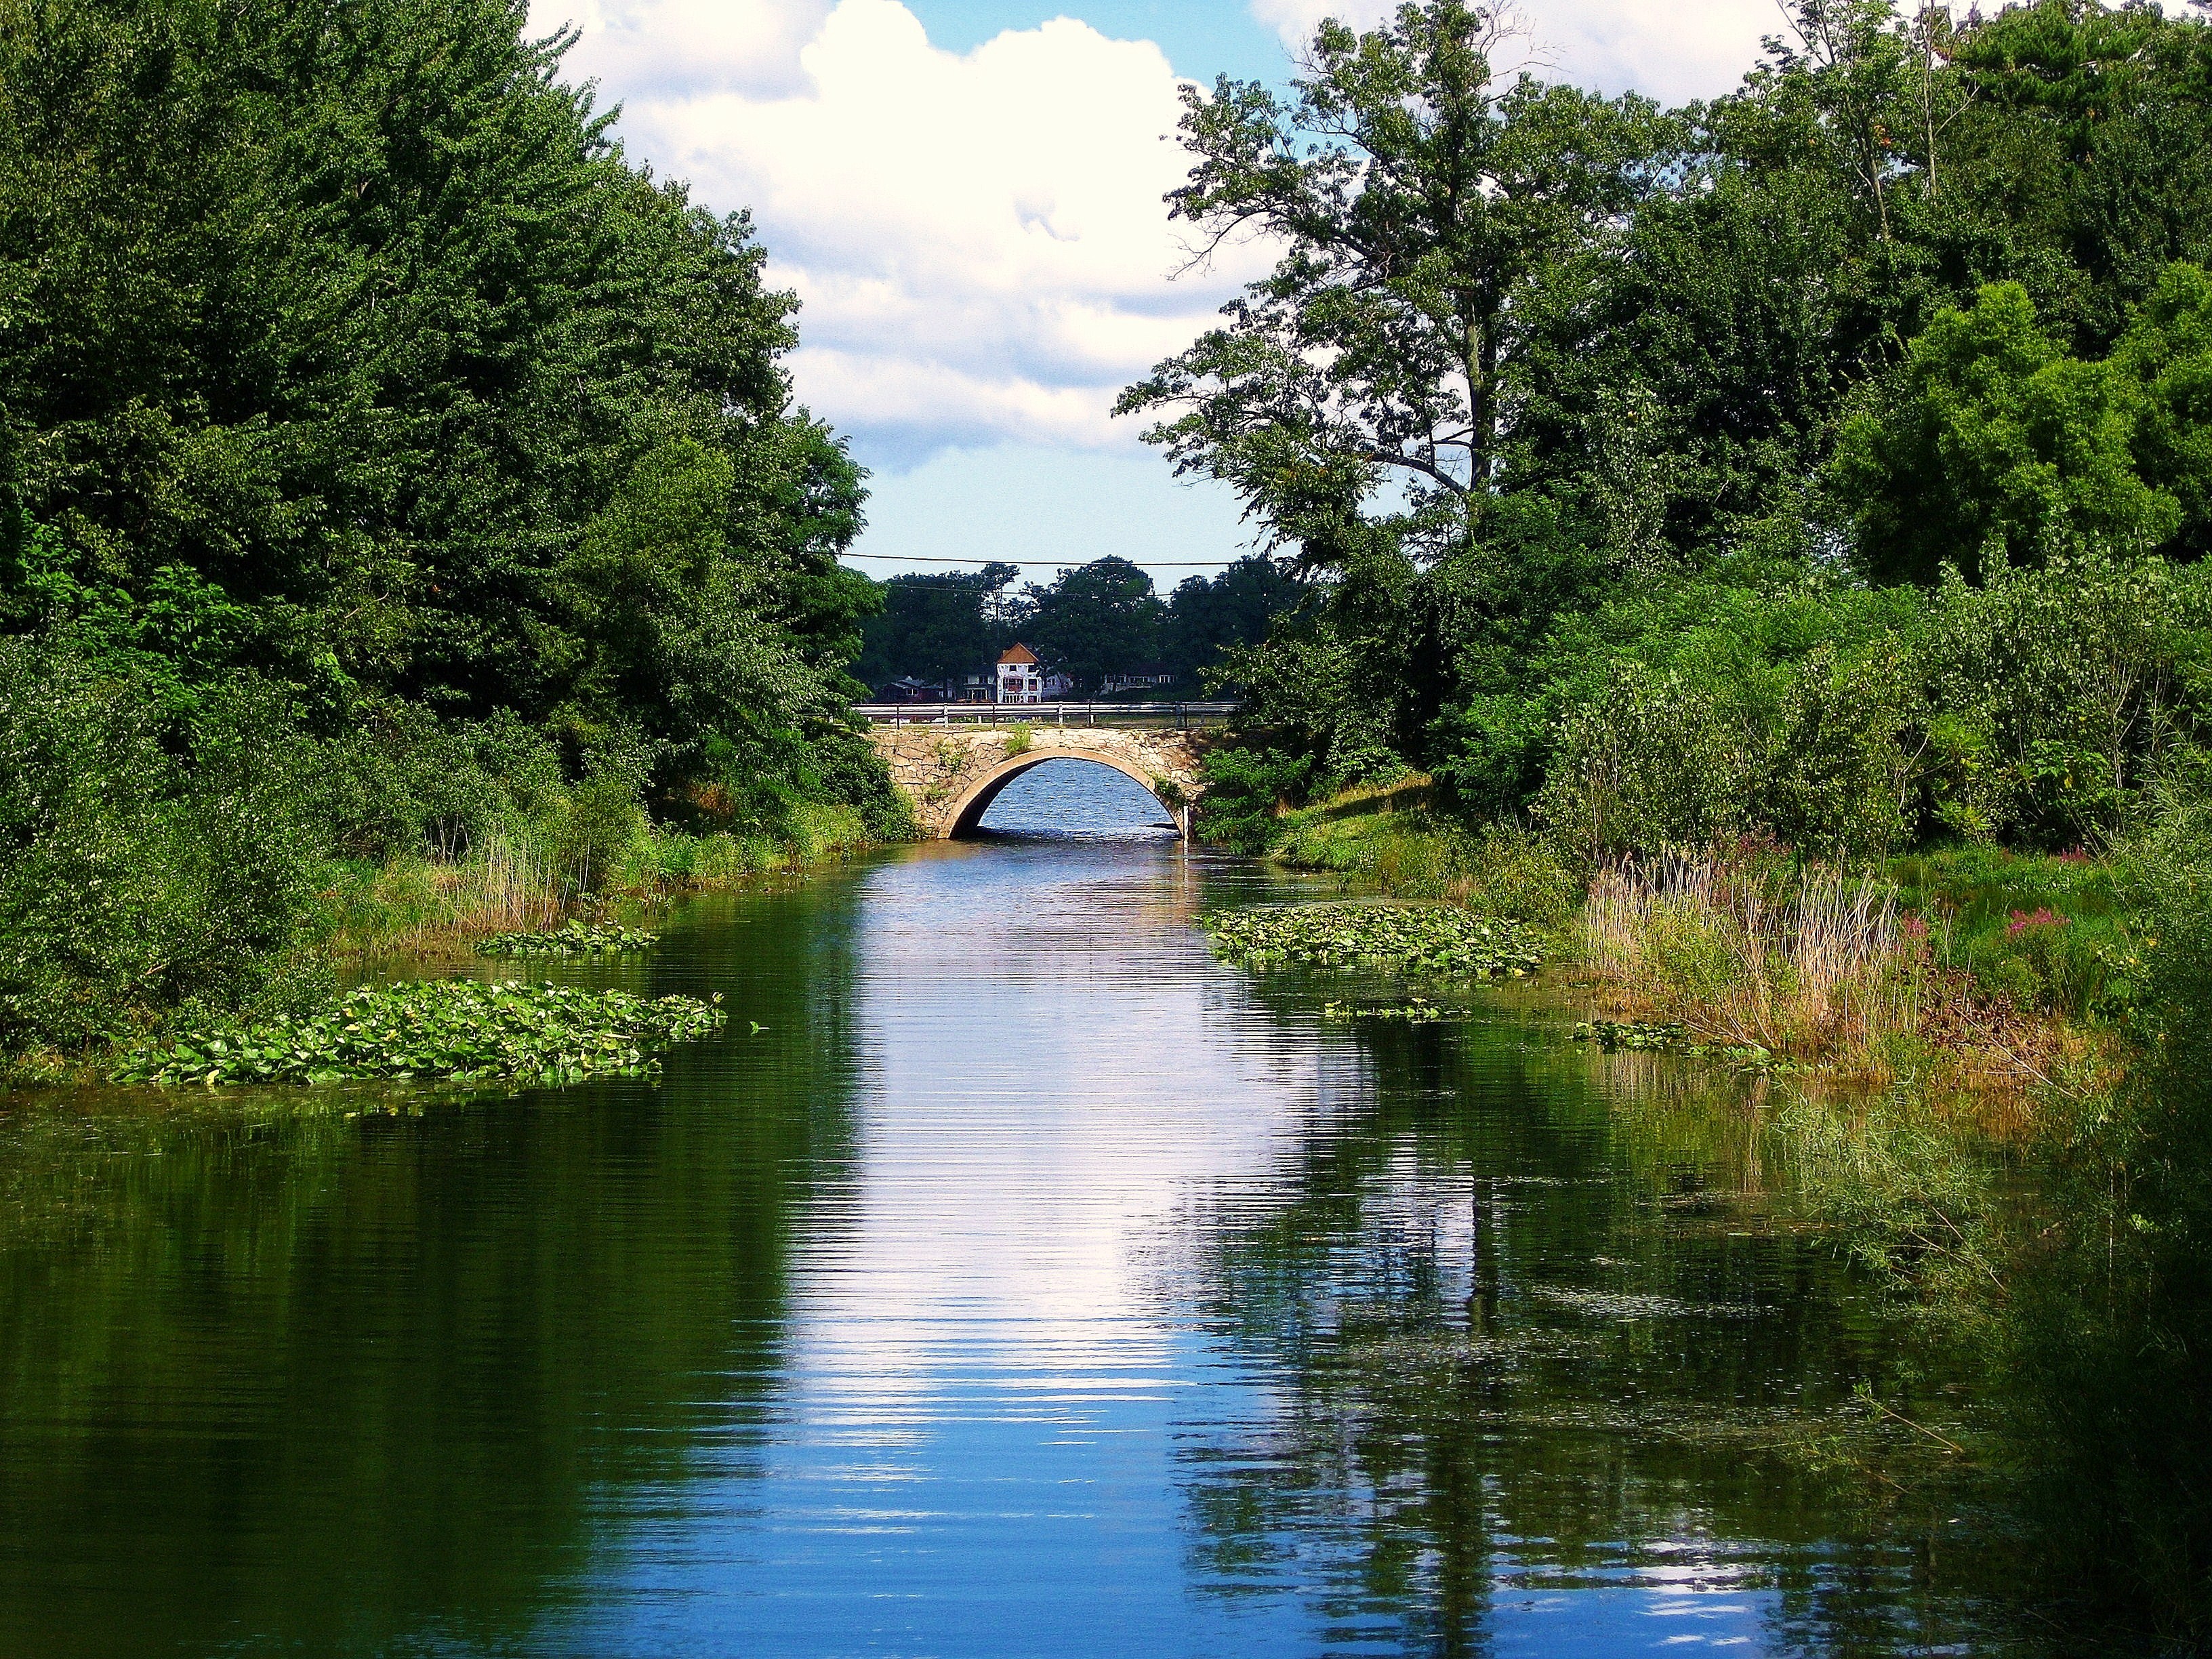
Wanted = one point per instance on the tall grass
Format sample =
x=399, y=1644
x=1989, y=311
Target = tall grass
x=1409, y=852
x=1812, y=962
x=513, y=881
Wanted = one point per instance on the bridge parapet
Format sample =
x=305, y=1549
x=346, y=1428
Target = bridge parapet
x=952, y=773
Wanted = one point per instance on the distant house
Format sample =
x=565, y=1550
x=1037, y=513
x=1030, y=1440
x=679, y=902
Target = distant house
x=910, y=690
x=1145, y=676
x=1057, y=685
x=1021, y=676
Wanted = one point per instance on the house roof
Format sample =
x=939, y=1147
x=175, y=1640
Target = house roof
x=1018, y=653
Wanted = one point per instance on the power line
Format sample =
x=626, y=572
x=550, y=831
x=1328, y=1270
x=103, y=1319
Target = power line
x=1042, y=564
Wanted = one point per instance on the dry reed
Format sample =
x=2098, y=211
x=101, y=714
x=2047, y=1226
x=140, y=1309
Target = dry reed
x=436, y=907
x=1811, y=962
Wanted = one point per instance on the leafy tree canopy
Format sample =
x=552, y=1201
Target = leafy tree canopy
x=351, y=326
x=938, y=626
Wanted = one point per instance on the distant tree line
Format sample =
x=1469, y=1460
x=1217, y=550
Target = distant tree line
x=1092, y=622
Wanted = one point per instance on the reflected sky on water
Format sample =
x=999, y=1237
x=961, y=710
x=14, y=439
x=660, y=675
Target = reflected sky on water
x=1030, y=1284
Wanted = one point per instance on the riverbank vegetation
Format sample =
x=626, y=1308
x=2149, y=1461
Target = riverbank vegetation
x=1762, y=543
x=407, y=529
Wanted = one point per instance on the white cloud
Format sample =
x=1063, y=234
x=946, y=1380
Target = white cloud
x=1674, y=51
x=978, y=239
x=675, y=47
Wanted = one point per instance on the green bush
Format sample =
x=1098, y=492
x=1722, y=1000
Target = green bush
x=1651, y=763
x=600, y=821
x=1246, y=790
x=1508, y=870
x=146, y=863
x=2035, y=711
x=2108, y=1319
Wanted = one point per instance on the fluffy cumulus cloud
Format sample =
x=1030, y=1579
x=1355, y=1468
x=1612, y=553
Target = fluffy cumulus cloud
x=663, y=49
x=978, y=239
x=1672, y=51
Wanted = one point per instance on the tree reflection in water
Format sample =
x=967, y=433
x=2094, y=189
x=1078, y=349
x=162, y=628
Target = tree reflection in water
x=1540, y=1327
x=310, y=1383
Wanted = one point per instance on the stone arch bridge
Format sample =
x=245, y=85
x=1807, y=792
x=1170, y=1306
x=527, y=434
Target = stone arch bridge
x=950, y=774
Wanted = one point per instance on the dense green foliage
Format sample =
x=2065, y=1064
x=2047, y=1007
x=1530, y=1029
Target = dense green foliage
x=1092, y=622
x=454, y=1030
x=385, y=464
x=1820, y=476
x=353, y=320
x=1543, y=380
x=137, y=873
x=2033, y=711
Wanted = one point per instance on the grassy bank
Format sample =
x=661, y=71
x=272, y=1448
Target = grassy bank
x=1978, y=967
x=428, y=907
x=2003, y=1115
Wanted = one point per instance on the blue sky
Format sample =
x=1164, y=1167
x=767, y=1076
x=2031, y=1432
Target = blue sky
x=966, y=196
x=1060, y=506
x=1201, y=38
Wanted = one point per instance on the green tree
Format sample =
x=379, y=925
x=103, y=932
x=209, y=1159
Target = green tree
x=1990, y=447
x=356, y=316
x=1357, y=398
x=1094, y=620
x=1416, y=199
x=937, y=626
x=2168, y=353
x=1207, y=618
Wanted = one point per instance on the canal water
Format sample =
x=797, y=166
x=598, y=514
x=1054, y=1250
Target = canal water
x=1010, y=1278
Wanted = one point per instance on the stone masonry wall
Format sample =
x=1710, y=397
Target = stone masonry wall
x=938, y=768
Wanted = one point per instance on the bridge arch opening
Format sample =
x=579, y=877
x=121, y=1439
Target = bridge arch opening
x=966, y=819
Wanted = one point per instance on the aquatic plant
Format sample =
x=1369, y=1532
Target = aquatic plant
x=578, y=939
x=1613, y=1035
x=1416, y=1011
x=1439, y=938
x=457, y=1030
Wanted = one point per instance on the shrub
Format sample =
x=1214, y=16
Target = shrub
x=1649, y=764
x=1246, y=791
x=145, y=863
x=1018, y=738
x=1509, y=871
x=2067, y=690
x=601, y=820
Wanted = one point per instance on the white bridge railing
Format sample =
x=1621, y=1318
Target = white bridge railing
x=1177, y=716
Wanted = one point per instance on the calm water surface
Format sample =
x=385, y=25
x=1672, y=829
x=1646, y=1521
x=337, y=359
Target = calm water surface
x=1030, y=1284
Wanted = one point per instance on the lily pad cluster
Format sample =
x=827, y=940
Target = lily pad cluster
x=454, y=1031
x=1611, y=1035
x=1669, y=1037
x=577, y=939
x=1416, y=1011
x=1439, y=938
